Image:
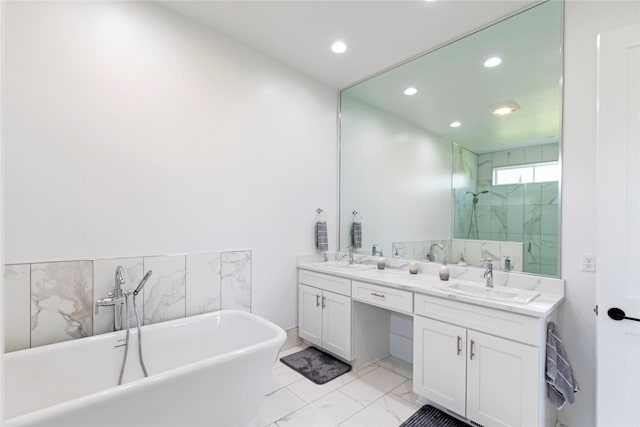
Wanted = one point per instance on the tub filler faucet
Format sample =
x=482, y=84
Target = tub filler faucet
x=115, y=298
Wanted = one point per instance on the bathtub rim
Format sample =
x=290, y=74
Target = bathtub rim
x=144, y=383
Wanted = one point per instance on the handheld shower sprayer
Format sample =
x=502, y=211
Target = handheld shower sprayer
x=475, y=195
x=474, y=213
x=142, y=282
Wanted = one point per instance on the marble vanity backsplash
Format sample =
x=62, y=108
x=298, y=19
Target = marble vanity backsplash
x=473, y=251
x=52, y=302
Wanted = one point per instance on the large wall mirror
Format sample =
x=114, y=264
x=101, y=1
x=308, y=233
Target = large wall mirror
x=457, y=153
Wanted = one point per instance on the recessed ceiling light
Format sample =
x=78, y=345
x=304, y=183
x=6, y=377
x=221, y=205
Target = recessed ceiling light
x=455, y=124
x=492, y=62
x=503, y=110
x=339, y=47
x=410, y=91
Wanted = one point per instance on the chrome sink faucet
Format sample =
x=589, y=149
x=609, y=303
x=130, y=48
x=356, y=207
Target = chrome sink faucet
x=430, y=255
x=349, y=254
x=488, y=273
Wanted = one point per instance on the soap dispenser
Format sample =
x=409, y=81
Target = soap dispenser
x=444, y=270
x=381, y=263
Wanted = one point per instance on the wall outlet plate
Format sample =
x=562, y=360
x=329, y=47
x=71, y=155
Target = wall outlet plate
x=588, y=262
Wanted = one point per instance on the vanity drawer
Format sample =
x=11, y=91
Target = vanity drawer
x=339, y=285
x=512, y=326
x=390, y=298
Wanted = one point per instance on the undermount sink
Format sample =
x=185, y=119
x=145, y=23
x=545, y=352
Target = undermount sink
x=497, y=293
x=343, y=265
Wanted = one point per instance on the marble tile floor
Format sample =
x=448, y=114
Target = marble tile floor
x=378, y=394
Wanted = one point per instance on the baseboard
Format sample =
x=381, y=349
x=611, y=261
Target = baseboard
x=293, y=340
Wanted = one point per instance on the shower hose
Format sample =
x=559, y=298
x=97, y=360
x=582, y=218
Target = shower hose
x=126, y=345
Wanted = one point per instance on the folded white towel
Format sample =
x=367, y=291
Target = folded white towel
x=561, y=384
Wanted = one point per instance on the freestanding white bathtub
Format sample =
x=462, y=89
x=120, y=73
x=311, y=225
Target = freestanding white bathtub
x=206, y=370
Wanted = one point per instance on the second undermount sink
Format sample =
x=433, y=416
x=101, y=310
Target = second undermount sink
x=500, y=293
x=343, y=266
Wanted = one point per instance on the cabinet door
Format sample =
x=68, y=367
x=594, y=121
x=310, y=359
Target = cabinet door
x=310, y=314
x=336, y=324
x=439, y=363
x=502, y=381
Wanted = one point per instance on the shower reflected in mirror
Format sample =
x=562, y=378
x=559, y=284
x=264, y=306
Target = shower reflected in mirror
x=474, y=215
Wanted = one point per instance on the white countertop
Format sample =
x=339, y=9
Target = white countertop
x=427, y=282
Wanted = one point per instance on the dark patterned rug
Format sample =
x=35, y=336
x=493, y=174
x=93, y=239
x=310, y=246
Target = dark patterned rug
x=316, y=365
x=429, y=416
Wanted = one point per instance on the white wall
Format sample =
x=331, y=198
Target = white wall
x=583, y=21
x=129, y=130
x=397, y=175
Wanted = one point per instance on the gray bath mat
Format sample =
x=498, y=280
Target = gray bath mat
x=429, y=416
x=316, y=365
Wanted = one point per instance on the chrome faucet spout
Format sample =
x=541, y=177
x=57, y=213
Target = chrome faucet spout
x=488, y=273
x=430, y=255
x=349, y=254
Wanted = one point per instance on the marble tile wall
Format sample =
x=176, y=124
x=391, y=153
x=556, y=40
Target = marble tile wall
x=475, y=251
x=52, y=302
x=418, y=250
x=525, y=213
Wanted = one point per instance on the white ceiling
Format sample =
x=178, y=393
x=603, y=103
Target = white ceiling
x=454, y=85
x=379, y=34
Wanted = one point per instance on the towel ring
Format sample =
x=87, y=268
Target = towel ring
x=321, y=215
x=356, y=216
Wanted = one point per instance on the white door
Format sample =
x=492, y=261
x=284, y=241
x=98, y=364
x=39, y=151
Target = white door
x=439, y=363
x=502, y=381
x=310, y=314
x=336, y=321
x=618, y=227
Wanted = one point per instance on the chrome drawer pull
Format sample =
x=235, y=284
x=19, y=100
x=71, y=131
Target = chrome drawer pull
x=324, y=299
x=471, y=352
x=459, y=341
x=377, y=295
x=317, y=300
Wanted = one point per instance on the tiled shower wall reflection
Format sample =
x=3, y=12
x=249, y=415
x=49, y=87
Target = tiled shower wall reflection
x=52, y=302
x=525, y=213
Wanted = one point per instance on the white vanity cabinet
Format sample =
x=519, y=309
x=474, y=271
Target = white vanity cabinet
x=324, y=312
x=460, y=363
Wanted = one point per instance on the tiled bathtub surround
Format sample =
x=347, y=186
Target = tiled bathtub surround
x=165, y=292
x=61, y=301
x=236, y=280
x=203, y=283
x=53, y=302
x=17, y=322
